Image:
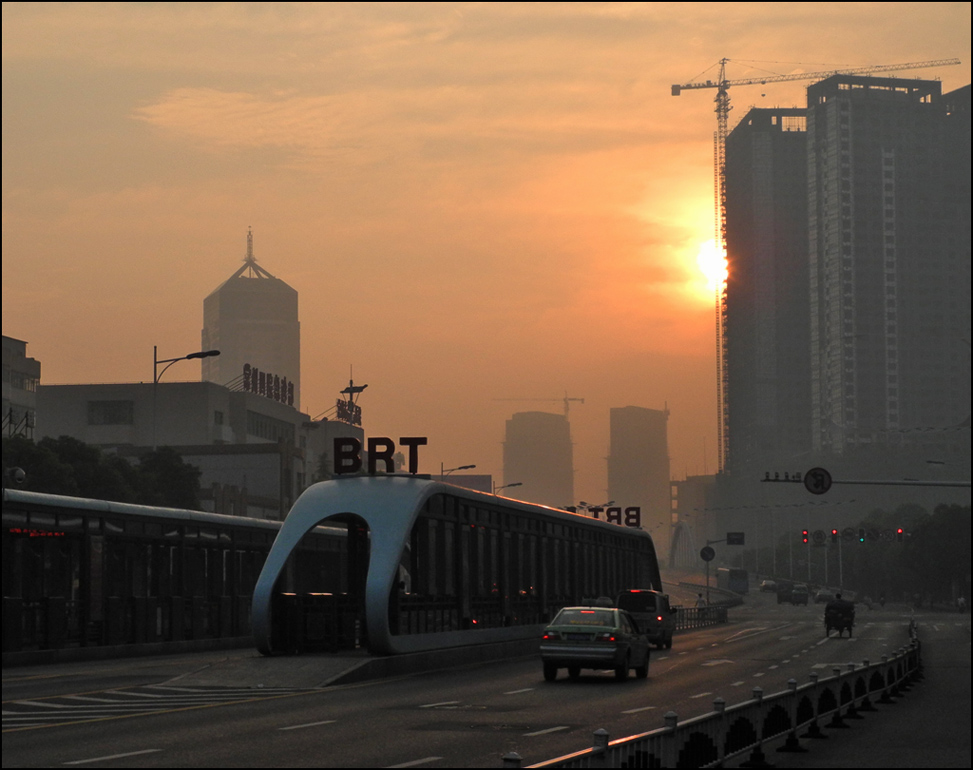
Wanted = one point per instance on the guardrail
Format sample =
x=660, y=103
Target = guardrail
x=711, y=739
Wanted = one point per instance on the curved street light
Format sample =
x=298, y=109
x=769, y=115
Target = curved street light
x=444, y=473
x=497, y=488
x=157, y=375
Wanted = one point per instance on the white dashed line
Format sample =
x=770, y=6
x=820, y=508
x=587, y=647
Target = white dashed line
x=309, y=724
x=636, y=711
x=548, y=730
x=443, y=703
x=113, y=756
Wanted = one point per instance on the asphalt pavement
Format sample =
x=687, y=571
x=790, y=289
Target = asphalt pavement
x=929, y=726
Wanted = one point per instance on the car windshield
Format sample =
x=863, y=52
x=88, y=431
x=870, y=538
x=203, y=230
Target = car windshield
x=584, y=617
x=637, y=601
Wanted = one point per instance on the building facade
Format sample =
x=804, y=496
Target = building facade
x=255, y=454
x=767, y=299
x=638, y=466
x=538, y=455
x=21, y=376
x=889, y=258
x=252, y=319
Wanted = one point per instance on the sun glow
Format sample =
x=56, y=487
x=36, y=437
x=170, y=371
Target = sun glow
x=712, y=264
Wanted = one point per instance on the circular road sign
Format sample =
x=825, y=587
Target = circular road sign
x=817, y=481
x=707, y=554
x=819, y=536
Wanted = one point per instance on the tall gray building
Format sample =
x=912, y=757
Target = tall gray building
x=638, y=464
x=538, y=455
x=252, y=319
x=889, y=257
x=767, y=300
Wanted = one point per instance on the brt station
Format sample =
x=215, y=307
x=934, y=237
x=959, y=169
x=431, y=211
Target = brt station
x=387, y=564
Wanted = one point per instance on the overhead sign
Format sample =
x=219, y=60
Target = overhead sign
x=347, y=454
x=734, y=538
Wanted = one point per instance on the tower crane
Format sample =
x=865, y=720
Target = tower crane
x=722, y=86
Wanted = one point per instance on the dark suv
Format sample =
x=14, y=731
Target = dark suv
x=651, y=610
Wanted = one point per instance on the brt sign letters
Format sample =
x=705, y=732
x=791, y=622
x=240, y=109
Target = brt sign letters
x=347, y=454
x=627, y=517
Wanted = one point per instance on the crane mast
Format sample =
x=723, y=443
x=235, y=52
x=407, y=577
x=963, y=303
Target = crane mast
x=722, y=100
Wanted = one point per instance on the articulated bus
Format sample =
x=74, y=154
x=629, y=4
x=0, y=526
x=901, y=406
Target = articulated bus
x=439, y=566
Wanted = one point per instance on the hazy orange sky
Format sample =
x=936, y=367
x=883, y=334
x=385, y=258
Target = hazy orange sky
x=474, y=201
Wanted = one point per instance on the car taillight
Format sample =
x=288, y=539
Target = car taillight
x=551, y=636
x=659, y=618
x=606, y=637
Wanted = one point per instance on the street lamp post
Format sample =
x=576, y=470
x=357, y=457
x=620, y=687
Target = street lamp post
x=444, y=473
x=157, y=375
x=498, y=487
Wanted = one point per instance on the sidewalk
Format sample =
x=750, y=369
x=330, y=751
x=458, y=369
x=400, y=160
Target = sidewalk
x=928, y=727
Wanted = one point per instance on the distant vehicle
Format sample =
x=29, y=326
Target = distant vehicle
x=733, y=579
x=594, y=637
x=651, y=610
x=824, y=596
x=768, y=586
x=796, y=593
x=839, y=614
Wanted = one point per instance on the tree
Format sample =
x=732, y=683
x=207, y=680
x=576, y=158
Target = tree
x=66, y=466
x=167, y=480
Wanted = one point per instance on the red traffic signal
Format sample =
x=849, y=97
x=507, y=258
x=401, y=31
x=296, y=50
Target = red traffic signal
x=804, y=534
x=899, y=534
x=834, y=536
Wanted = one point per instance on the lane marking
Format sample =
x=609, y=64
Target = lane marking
x=433, y=705
x=309, y=724
x=771, y=668
x=636, y=711
x=548, y=730
x=759, y=673
x=716, y=662
x=518, y=692
x=113, y=756
x=415, y=762
x=700, y=695
x=736, y=684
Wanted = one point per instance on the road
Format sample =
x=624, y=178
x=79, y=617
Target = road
x=164, y=713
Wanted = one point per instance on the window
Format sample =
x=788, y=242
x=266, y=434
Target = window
x=111, y=412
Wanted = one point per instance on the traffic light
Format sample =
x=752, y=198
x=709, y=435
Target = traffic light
x=899, y=534
x=804, y=534
x=861, y=534
x=834, y=536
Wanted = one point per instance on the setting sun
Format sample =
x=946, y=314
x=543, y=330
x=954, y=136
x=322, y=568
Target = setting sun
x=711, y=264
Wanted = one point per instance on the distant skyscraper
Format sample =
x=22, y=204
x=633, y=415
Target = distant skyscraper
x=638, y=463
x=252, y=319
x=767, y=300
x=537, y=453
x=889, y=252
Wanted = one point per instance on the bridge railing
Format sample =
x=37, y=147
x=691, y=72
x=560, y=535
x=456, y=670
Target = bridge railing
x=727, y=732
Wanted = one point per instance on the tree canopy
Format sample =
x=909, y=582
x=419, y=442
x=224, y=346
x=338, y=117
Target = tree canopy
x=67, y=466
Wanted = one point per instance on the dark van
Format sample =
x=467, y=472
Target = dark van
x=651, y=610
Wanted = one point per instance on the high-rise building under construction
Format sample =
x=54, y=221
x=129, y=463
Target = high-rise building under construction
x=889, y=259
x=538, y=456
x=767, y=300
x=638, y=464
x=848, y=297
x=252, y=319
